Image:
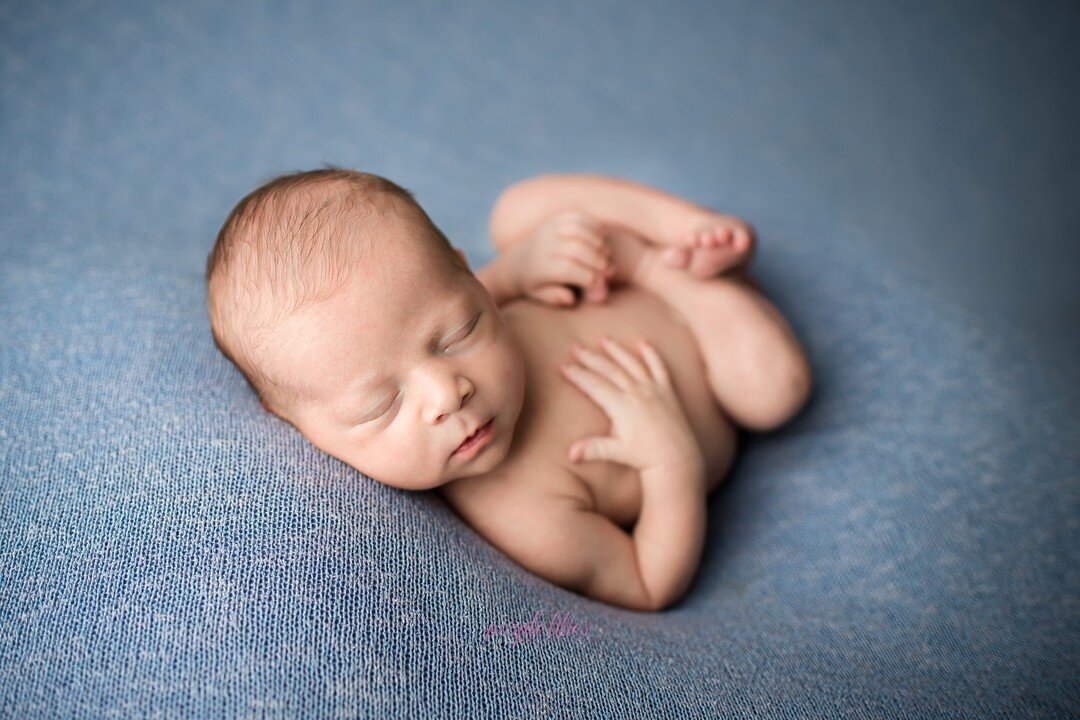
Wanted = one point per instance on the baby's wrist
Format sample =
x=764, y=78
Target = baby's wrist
x=687, y=465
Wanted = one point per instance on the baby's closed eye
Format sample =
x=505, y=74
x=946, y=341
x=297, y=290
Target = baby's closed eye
x=464, y=334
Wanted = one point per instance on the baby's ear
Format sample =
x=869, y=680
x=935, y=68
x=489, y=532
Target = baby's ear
x=464, y=260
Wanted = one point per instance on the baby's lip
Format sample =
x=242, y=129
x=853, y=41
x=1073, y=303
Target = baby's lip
x=477, y=427
x=475, y=430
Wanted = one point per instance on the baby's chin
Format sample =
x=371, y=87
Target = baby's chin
x=497, y=453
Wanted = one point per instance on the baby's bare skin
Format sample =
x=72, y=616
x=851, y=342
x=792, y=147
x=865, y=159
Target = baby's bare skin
x=413, y=351
x=555, y=413
x=537, y=503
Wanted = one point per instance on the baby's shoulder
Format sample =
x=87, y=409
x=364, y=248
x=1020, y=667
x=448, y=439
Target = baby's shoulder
x=521, y=495
x=534, y=517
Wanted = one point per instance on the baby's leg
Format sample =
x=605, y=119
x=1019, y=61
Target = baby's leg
x=756, y=367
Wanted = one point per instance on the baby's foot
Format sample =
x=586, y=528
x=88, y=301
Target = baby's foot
x=640, y=263
x=726, y=243
x=631, y=255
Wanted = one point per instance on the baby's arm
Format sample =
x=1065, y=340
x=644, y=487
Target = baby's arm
x=650, y=432
x=582, y=550
x=566, y=251
x=557, y=537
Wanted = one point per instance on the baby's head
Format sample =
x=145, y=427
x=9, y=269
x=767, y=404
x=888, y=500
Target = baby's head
x=354, y=319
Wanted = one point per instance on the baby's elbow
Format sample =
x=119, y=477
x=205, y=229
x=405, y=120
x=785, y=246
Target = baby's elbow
x=625, y=597
x=615, y=585
x=647, y=604
x=662, y=601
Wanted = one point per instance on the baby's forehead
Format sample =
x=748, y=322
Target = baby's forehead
x=392, y=293
x=419, y=307
x=385, y=328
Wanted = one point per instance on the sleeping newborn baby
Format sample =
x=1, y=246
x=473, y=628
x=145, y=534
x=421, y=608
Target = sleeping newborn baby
x=574, y=401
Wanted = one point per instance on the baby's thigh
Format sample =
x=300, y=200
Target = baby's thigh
x=756, y=366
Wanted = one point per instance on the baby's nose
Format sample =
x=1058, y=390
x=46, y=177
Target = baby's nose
x=464, y=399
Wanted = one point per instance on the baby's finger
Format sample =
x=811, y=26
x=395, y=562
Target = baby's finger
x=584, y=235
x=601, y=365
x=629, y=363
x=598, y=390
x=655, y=363
x=573, y=272
x=553, y=294
x=584, y=253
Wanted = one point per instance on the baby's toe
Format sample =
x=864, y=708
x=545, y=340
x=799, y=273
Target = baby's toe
x=745, y=243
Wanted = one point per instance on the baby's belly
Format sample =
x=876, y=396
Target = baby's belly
x=556, y=413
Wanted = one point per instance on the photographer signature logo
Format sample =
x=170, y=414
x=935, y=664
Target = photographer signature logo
x=561, y=626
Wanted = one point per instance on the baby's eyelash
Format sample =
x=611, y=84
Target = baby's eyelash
x=472, y=327
x=381, y=413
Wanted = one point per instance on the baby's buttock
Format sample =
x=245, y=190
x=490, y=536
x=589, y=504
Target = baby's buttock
x=559, y=413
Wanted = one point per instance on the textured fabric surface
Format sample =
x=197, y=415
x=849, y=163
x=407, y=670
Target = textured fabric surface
x=906, y=547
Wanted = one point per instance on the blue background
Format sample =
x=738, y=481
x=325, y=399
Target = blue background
x=907, y=546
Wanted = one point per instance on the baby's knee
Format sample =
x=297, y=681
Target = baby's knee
x=787, y=393
x=799, y=382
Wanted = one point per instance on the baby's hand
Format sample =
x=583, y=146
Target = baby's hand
x=649, y=428
x=568, y=249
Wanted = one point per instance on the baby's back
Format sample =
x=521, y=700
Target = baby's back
x=555, y=413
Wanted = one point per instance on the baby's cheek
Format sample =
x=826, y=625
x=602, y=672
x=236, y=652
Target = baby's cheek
x=507, y=362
